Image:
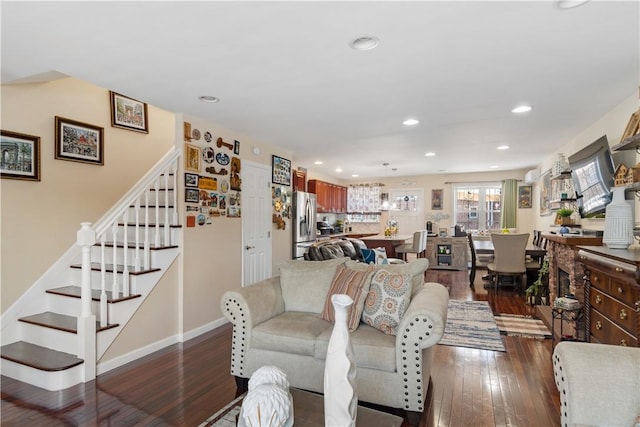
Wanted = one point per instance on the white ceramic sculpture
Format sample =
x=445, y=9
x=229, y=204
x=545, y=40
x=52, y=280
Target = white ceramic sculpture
x=618, y=222
x=340, y=398
x=268, y=402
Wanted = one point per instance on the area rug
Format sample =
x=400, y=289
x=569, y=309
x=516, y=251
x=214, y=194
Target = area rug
x=225, y=417
x=515, y=325
x=471, y=324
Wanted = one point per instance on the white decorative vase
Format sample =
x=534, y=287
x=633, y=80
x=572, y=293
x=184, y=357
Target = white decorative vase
x=618, y=222
x=340, y=399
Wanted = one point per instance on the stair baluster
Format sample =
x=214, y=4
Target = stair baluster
x=103, y=282
x=136, y=263
x=125, y=251
x=114, y=287
x=157, y=212
x=167, y=227
x=147, y=261
x=174, y=172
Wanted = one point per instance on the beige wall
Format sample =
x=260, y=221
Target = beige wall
x=40, y=219
x=213, y=253
x=611, y=124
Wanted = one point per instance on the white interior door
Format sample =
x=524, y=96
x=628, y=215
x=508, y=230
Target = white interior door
x=256, y=222
x=407, y=207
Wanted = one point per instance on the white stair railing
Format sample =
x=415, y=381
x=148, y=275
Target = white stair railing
x=106, y=229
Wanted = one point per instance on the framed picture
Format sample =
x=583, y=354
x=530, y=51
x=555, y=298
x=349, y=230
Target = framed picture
x=524, y=196
x=191, y=195
x=436, y=199
x=79, y=142
x=20, y=156
x=191, y=180
x=280, y=170
x=191, y=158
x=545, y=193
x=127, y=113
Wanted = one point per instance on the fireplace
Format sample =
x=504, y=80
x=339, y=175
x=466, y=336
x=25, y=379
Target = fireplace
x=563, y=287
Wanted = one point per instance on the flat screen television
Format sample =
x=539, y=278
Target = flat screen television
x=593, y=172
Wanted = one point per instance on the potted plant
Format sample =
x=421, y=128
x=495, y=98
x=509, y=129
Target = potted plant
x=564, y=216
x=539, y=289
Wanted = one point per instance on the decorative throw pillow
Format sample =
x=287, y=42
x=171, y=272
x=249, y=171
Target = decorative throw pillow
x=381, y=255
x=354, y=283
x=368, y=256
x=388, y=298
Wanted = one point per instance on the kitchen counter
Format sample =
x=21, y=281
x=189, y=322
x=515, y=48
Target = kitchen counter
x=389, y=243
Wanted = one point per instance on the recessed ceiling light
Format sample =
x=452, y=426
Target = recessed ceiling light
x=502, y=147
x=208, y=98
x=317, y=162
x=364, y=43
x=339, y=170
x=430, y=154
x=493, y=167
x=411, y=122
x=355, y=175
x=569, y=4
x=522, y=109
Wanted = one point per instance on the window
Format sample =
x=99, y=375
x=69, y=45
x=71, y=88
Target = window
x=477, y=207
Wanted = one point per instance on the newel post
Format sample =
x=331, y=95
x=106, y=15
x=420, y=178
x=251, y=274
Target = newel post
x=86, y=238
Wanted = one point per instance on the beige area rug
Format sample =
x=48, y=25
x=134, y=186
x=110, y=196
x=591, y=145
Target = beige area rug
x=515, y=325
x=225, y=417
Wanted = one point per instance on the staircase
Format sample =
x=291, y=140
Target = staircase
x=53, y=336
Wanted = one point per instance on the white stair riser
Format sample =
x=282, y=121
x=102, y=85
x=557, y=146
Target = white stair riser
x=96, y=256
x=152, y=213
x=51, y=338
x=51, y=381
x=161, y=198
x=142, y=234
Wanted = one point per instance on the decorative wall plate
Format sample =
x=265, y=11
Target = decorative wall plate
x=208, y=137
x=224, y=186
x=196, y=134
x=222, y=158
x=208, y=155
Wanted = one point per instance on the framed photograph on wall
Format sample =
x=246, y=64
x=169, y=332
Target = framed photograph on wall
x=191, y=195
x=436, y=199
x=20, y=156
x=280, y=170
x=545, y=193
x=191, y=158
x=524, y=196
x=127, y=113
x=79, y=142
x=191, y=180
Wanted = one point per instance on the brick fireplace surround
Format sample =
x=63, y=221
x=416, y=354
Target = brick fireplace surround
x=563, y=254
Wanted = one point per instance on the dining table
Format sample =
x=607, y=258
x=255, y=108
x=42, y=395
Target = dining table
x=485, y=247
x=389, y=243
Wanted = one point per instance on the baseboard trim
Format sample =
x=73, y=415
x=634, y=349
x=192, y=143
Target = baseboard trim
x=119, y=361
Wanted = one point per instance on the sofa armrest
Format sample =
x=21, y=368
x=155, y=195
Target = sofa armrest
x=599, y=384
x=245, y=308
x=421, y=327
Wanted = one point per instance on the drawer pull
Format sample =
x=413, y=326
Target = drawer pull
x=598, y=325
x=623, y=342
x=620, y=290
x=598, y=299
x=595, y=279
x=623, y=314
x=619, y=270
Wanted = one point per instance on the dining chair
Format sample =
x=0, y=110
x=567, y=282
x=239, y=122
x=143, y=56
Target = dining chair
x=477, y=261
x=418, y=246
x=509, y=257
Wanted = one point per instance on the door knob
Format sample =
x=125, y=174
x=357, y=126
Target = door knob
x=249, y=247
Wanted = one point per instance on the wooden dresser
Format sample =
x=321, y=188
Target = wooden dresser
x=612, y=294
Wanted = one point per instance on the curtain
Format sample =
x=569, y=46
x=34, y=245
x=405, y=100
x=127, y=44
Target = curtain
x=508, y=216
x=363, y=198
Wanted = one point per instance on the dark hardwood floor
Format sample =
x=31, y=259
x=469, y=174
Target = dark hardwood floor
x=184, y=384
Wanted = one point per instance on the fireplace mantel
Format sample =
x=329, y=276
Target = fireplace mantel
x=563, y=254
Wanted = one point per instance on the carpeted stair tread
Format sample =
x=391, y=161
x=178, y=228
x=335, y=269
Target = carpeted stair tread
x=76, y=292
x=35, y=356
x=61, y=322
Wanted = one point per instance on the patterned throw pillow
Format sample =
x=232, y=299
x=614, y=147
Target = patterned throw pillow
x=354, y=283
x=388, y=298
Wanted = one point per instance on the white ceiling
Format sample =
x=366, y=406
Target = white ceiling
x=286, y=75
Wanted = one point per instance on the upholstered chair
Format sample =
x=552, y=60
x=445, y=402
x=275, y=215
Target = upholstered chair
x=417, y=246
x=509, y=257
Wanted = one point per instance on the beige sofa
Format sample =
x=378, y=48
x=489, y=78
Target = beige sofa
x=278, y=322
x=599, y=384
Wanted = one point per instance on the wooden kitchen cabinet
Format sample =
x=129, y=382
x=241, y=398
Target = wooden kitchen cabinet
x=299, y=180
x=330, y=198
x=612, y=295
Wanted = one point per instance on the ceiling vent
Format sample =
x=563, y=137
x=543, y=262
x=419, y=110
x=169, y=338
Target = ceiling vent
x=532, y=176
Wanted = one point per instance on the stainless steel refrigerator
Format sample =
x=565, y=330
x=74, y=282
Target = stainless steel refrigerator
x=304, y=222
